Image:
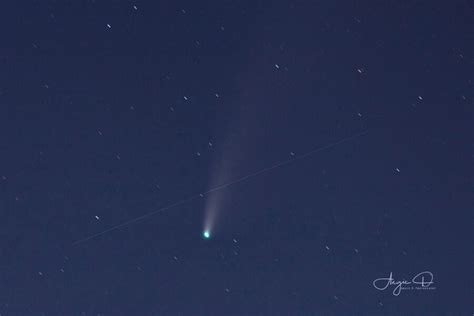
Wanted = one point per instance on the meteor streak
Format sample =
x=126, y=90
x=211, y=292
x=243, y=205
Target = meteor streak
x=206, y=233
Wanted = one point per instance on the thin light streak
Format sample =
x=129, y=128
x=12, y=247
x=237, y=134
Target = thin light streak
x=222, y=186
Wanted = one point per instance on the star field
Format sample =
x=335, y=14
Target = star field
x=236, y=157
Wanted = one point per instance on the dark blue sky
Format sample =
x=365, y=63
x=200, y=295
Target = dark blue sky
x=110, y=110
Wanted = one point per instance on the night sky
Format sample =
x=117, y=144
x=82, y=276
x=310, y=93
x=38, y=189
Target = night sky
x=323, y=144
